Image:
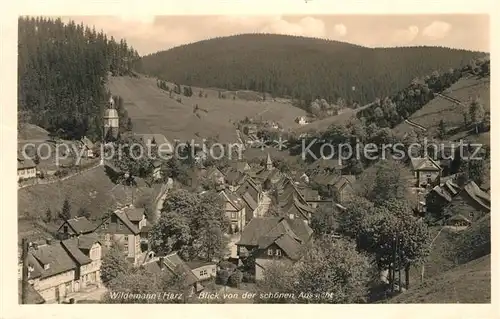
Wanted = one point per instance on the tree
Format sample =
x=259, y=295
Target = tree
x=193, y=224
x=65, y=211
x=48, y=215
x=390, y=181
x=82, y=212
x=235, y=279
x=442, y=129
x=113, y=265
x=350, y=220
x=171, y=232
x=129, y=124
x=324, y=221
x=477, y=113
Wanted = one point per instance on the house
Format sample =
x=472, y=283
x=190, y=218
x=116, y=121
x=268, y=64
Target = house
x=172, y=264
x=273, y=239
x=57, y=269
x=343, y=188
x=426, y=171
x=235, y=210
x=471, y=202
x=118, y=228
x=436, y=200
x=203, y=270
x=234, y=179
x=26, y=168
x=250, y=206
x=157, y=173
x=302, y=120
x=240, y=166
x=294, y=209
x=251, y=187
x=215, y=175
x=87, y=147
x=75, y=227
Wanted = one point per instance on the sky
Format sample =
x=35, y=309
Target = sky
x=149, y=34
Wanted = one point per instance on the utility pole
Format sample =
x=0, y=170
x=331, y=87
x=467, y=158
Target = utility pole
x=25, y=271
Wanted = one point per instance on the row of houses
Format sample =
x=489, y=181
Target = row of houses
x=60, y=269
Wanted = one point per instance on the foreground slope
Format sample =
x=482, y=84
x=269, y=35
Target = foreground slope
x=152, y=110
x=300, y=67
x=468, y=283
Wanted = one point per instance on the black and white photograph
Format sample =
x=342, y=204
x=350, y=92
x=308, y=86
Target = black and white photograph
x=253, y=159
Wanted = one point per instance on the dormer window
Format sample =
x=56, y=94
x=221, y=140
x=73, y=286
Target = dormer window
x=46, y=266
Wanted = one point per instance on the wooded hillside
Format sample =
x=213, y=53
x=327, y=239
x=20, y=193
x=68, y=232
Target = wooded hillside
x=303, y=68
x=62, y=70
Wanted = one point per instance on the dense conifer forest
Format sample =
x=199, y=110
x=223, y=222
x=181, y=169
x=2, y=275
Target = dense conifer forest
x=299, y=67
x=62, y=69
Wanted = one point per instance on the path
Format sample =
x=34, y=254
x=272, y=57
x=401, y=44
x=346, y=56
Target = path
x=416, y=125
x=160, y=199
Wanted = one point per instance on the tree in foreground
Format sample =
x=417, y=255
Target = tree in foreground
x=113, y=264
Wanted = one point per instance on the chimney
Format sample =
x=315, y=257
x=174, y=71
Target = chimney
x=162, y=262
x=49, y=241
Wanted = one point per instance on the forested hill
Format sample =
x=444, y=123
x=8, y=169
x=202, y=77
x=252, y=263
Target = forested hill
x=303, y=68
x=62, y=69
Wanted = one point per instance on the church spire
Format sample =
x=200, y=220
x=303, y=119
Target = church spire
x=269, y=162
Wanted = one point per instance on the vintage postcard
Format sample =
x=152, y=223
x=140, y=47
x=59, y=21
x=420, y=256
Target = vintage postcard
x=253, y=159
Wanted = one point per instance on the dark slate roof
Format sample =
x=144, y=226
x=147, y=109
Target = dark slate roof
x=86, y=241
x=123, y=217
x=73, y=249
x=343, y=180
x=249, y=201
x=441, y=192
x=198, y=263
x=174, y=264
x=262, y=227
x=25, y=163
x=134, y=214
x=32, y=296
x=80, y=225
x=478, y=195
x=232, y=198
x=56, y=257
x=234, y=177
x=289, y=245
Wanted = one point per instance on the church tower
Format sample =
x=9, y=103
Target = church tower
x=111, y=120
x=269, y=163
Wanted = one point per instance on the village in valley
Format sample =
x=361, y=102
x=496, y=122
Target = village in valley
x=246, y=195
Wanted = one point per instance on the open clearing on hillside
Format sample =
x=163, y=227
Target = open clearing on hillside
x=468, y=283
x=153, y=111
x=92, y=190
x=439, y=108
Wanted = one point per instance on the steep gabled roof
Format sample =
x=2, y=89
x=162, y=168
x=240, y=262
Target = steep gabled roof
x=442, y=193
x=260, y=229
x=425, y=164
x=80, y=225
x=344, y=180
x=56, y=257
x=134, y=214
x=174, y=264
x=123, y=217
x=478, y=195
x=232, y=198
x=249, y=201
x=71, y=246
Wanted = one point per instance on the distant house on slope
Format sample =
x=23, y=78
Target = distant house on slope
x=273, y=240
x=26, y=168
x=87, y=147
x=426, y=171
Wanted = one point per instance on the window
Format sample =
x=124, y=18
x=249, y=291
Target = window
x=46, y=266
x=126, y=238
x=278, y=252
x=65, y=229
x=203, y=273
x=471, y=214
x=120, y=225
x=269, y=252
x=233, y=215
x=105, y=226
